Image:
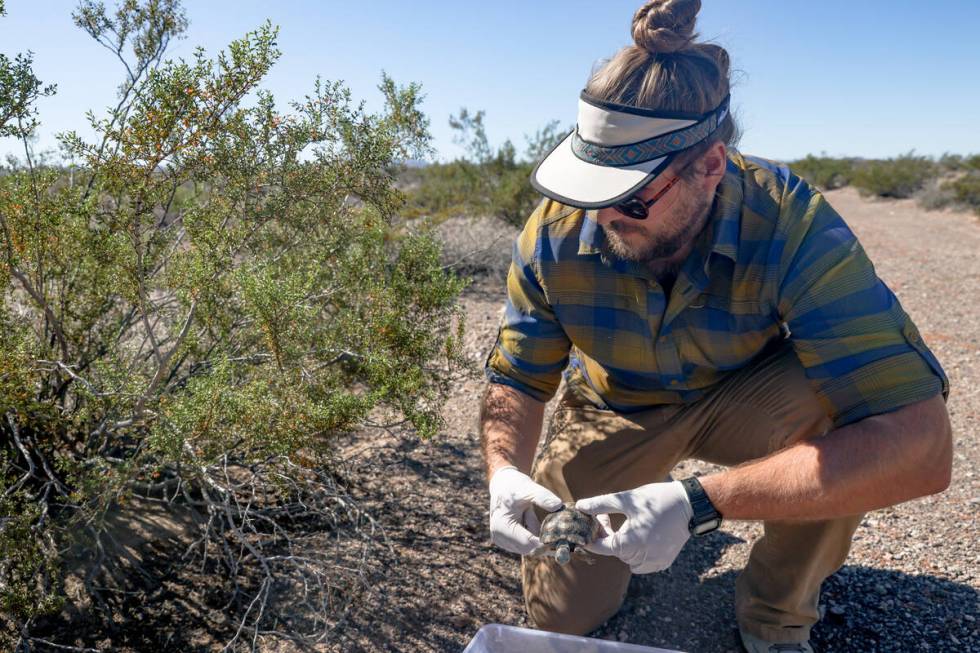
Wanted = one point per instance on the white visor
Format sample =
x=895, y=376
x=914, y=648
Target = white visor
x=564, y=177
x=616, y=150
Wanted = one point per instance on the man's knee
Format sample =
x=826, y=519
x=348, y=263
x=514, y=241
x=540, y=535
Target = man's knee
x=570, y=621
x=574, y=599
x=571, y=617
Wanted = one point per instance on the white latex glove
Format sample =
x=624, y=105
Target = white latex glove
x=656, y=526
x=513, y=496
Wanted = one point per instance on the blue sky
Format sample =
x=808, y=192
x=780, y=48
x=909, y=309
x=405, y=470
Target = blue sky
x=858, y=77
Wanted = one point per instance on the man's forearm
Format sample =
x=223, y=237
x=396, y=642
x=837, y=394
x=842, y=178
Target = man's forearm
x=877, y=462
x=510, y=425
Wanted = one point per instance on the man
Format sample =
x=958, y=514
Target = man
x=709, y=305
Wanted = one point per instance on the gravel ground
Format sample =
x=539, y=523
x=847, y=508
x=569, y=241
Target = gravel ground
x=911, y=580
x=910, y=584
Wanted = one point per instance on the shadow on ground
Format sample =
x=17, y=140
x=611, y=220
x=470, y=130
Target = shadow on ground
x=863, y=607
x=438, y=580
x=443, y=580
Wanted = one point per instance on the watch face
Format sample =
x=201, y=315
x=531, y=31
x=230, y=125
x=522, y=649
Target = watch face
x=707, y=527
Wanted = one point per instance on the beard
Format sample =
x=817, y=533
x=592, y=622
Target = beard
x=656, y=249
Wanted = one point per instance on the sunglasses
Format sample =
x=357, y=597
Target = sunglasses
x=638, y=209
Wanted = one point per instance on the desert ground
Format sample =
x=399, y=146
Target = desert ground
x=911, y=582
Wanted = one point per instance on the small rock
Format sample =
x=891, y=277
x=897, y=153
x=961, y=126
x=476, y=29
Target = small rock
x=623, y=636
x=837, y=610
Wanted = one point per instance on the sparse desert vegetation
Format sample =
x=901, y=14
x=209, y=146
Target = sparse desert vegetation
x=949, y=181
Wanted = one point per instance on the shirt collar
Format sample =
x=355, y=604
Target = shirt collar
x=722, y=231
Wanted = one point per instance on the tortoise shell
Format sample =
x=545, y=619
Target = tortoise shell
x=568, y=528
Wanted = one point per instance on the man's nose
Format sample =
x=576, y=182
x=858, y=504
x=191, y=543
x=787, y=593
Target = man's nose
x=605, y=216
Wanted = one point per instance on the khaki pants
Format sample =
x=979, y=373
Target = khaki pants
x=759, y=409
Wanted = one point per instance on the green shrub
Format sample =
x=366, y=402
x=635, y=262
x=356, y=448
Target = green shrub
x=485, y=182
x=900, y=177
x=935, y=194
x=197, y=312
x=966, y=190
x=949, y=162
x=513, y=198
x=443, y=190
x=825, y=172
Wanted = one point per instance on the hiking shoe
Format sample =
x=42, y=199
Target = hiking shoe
x=753, y=644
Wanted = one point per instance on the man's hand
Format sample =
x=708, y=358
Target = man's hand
x=512, y=497
x=656, y=526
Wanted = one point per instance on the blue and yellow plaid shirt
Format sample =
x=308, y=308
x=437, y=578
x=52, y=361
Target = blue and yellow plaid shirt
x=774, y=261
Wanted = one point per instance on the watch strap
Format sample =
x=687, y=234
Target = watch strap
x=706, y=517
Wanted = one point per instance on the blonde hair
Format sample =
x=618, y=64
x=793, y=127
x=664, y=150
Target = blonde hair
x=667, y=69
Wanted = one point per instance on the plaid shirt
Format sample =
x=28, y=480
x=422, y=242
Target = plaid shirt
x=774, y=261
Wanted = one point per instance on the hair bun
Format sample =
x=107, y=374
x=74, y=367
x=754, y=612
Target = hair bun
x=664, y=26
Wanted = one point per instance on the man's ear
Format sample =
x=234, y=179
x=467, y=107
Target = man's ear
x=714, y=160
x=713, y=165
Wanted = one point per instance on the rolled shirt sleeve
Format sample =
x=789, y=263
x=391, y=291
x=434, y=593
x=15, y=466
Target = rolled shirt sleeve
x=858, y=346
x=531, y=348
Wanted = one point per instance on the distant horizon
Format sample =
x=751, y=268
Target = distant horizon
x=422, y=163
x=805, y=79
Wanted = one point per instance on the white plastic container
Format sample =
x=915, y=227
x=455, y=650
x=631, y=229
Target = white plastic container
x=497, y=638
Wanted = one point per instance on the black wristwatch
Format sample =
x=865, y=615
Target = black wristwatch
x=706, y=518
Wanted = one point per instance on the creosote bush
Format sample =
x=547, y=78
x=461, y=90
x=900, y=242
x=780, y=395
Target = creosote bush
x=935, y=195
x=900, y=177
x=966, y=189
x=948, y=181
x=484, y=182
x=194, y=311
x=826, y=172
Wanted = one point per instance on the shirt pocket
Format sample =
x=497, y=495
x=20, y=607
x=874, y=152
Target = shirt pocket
x=581, y=314
x=724, y=333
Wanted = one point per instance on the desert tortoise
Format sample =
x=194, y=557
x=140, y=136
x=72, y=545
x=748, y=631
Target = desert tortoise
x=568, y=528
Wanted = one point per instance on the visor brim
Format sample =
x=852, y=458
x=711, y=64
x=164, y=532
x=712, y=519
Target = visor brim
x=564, y=177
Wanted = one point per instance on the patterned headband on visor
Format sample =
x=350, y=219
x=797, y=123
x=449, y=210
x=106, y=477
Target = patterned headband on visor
x=610, y=134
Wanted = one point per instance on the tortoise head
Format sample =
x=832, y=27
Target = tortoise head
x=566, y=529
